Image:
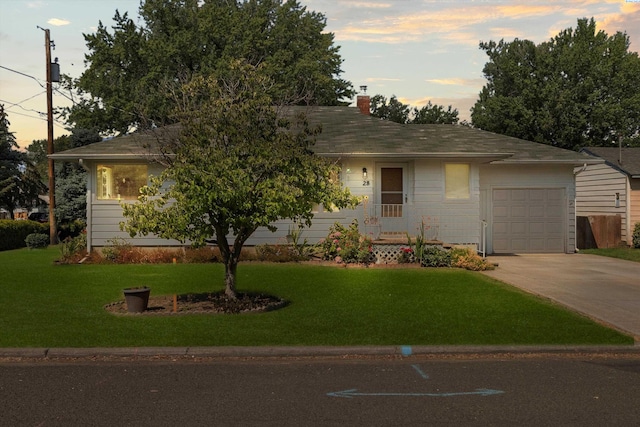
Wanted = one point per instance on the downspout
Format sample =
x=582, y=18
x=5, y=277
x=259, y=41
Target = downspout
x=89, y=206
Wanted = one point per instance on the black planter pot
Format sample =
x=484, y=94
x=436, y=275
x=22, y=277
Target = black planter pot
x=137, y=299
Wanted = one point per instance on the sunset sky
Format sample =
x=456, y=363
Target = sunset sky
x=418, y=50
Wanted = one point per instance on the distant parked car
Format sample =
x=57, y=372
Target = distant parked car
x=39, y=216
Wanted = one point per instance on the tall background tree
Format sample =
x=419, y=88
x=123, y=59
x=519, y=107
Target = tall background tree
x=434, y=114
x=581, y=88
x=10, y=159
x=123, y=86
x=396, y=111
x=238, y=164
x=19, y=182
x=71, y=179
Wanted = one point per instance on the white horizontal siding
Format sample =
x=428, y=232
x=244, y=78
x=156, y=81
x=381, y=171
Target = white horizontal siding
x=107, y=218
x=319, y=228
x=452, y=221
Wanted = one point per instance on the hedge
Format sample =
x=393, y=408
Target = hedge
x=13, y=233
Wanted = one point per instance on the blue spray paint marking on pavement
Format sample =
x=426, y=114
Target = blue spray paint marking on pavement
x=420, y=372
x=354, y=393
x=405, y=350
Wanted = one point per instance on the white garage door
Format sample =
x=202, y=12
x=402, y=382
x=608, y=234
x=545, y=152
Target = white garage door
x=528, y=220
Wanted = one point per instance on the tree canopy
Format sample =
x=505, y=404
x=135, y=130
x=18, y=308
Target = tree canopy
x=581, y=88
x=238, y=164
x=124, y=85
x=398, y=112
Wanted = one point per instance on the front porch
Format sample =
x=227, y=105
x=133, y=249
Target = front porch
x=390, y=225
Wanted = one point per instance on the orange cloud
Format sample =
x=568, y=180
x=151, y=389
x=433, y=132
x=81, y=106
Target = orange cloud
x=457, y=23
x=457, y=82
x=452, y=24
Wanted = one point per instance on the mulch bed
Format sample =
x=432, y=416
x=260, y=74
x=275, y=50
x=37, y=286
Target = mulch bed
x=205, y=303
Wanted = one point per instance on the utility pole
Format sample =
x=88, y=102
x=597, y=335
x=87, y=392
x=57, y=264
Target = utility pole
x=53, y=234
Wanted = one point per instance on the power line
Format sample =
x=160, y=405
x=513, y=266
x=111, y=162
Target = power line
x=23, y=74
x=31, y=97
x=57, y=123
x=65, y=95
x=17, y=104
x=27, y=115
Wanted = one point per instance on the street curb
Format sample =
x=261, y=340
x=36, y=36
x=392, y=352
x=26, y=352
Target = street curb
x=312, y=351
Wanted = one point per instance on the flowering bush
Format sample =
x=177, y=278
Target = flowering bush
x=469, y=260
x=406, y=256
x=346, y=244
x=417, y=249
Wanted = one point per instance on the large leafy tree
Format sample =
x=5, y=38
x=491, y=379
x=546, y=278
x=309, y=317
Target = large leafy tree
x=238, y=164
x=581, y=88
x=133, y=66
x=396, y=111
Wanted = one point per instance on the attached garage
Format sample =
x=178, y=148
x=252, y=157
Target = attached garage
x=528, y=220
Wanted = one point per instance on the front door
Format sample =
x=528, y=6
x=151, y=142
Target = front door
x=392, y=191
x=392, y=199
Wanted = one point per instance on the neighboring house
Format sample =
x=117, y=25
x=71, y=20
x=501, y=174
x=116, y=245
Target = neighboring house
x=467, y=186
x=612, y=187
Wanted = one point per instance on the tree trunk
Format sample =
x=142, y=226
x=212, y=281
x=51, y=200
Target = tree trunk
x=230, y=267
x=231, y=257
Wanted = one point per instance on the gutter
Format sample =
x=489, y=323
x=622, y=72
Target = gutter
x=416, y=155
x=576, y=162
x=127, y=156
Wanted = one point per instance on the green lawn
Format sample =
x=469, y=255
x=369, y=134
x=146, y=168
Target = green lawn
x=47, y=305
x=630, y=254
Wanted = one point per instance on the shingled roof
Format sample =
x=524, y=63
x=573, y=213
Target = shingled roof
x=625, y=159
x=348, y=133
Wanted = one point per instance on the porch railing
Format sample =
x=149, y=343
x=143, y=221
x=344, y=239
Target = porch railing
x=386, y=219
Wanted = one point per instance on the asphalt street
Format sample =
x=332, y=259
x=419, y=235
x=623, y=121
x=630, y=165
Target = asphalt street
x=524, y=390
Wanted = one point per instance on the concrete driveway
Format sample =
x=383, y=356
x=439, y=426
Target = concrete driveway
x=605, y=289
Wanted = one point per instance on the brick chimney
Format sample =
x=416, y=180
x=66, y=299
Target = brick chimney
x=364, y=104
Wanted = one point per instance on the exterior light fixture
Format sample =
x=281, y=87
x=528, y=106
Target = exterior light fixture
x=365, y=179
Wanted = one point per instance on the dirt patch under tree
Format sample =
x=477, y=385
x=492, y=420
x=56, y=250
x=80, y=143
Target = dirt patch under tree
x=204, y=303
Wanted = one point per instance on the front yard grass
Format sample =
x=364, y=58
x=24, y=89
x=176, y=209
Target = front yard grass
x=47, y=305
x=630, y=254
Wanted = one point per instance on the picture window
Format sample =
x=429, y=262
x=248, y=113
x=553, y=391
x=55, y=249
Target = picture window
x=120, y=182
